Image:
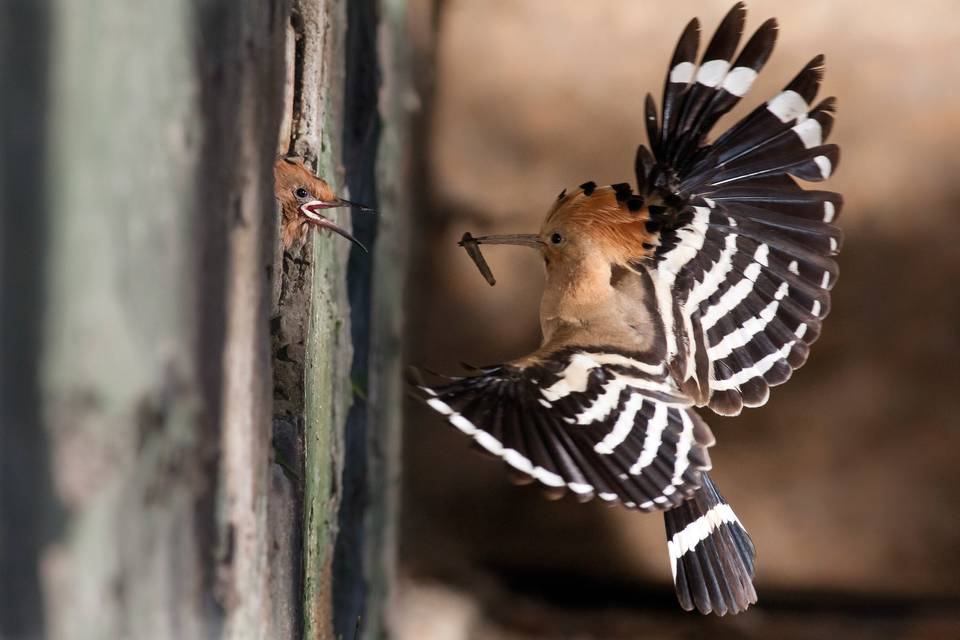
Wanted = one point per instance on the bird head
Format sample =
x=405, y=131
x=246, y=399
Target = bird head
x=302, y=196
x=590, y=225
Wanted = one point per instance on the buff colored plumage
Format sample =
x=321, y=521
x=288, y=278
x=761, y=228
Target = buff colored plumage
x=301, y=196
x=703, y=287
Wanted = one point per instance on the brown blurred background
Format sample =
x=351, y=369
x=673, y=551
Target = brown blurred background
x=847, y=479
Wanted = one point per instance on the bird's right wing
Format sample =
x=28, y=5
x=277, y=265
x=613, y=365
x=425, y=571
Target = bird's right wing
x=743, y=260
x=592, y=422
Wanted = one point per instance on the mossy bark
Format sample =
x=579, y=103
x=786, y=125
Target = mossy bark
x=175, y=389
x=352, y=346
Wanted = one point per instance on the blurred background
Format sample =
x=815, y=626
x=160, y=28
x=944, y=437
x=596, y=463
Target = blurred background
x=200, y=432
x=847, y=479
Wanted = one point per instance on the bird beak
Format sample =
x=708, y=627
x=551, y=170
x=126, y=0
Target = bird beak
x=310, y=210
x=522, y=239
x=472, y=245
x=316, y=205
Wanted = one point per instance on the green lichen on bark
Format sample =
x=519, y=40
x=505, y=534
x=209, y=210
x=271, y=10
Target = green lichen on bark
x=317, y=133
x=325, y=411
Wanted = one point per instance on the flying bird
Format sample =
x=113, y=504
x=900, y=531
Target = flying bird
x=302, y=196
x=704, y=286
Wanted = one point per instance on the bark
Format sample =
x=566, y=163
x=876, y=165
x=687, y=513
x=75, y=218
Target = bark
x=174, y=389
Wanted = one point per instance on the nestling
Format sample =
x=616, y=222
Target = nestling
x=703, y=286
x=302, y=196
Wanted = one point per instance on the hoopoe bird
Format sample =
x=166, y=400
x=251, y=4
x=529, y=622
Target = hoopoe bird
x=302, y=196
x=705, y=286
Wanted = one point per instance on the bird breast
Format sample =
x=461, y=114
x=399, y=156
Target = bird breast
x=594, y=302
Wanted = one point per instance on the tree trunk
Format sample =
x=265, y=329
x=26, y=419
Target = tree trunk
x=151, y=327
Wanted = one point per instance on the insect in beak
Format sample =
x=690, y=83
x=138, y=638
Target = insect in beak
x=472, y=245
x=310, y=211
x=522, y=239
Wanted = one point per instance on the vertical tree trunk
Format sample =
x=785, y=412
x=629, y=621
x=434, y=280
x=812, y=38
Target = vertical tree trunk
x=312, y=315
x=144, y=492
x=154, y=378
x=352, y=342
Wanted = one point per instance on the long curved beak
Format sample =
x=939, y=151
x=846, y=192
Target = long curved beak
x=310, y=210
x=472, y=245
x=523, y=239
x=316, y=205
x=326, y=223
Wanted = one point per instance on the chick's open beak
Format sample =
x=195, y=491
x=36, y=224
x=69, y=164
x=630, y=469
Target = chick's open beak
x=310, y=210
x=316, y=205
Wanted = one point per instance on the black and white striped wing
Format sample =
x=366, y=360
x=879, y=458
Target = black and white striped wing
x=596, y=424
x=744, y=263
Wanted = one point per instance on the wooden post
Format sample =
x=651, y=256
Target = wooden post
x=173, y=460
x=347, y=120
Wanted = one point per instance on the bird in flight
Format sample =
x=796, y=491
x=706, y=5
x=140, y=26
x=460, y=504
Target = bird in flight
x=302, y=196
x=703, y=286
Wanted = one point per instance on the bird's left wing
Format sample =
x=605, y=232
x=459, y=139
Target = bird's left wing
x=596, y=423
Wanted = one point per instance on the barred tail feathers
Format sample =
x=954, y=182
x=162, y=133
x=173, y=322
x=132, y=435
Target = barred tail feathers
x=711, y=554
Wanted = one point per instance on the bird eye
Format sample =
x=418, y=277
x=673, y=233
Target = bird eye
x=556, y=238
x=301, y=193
